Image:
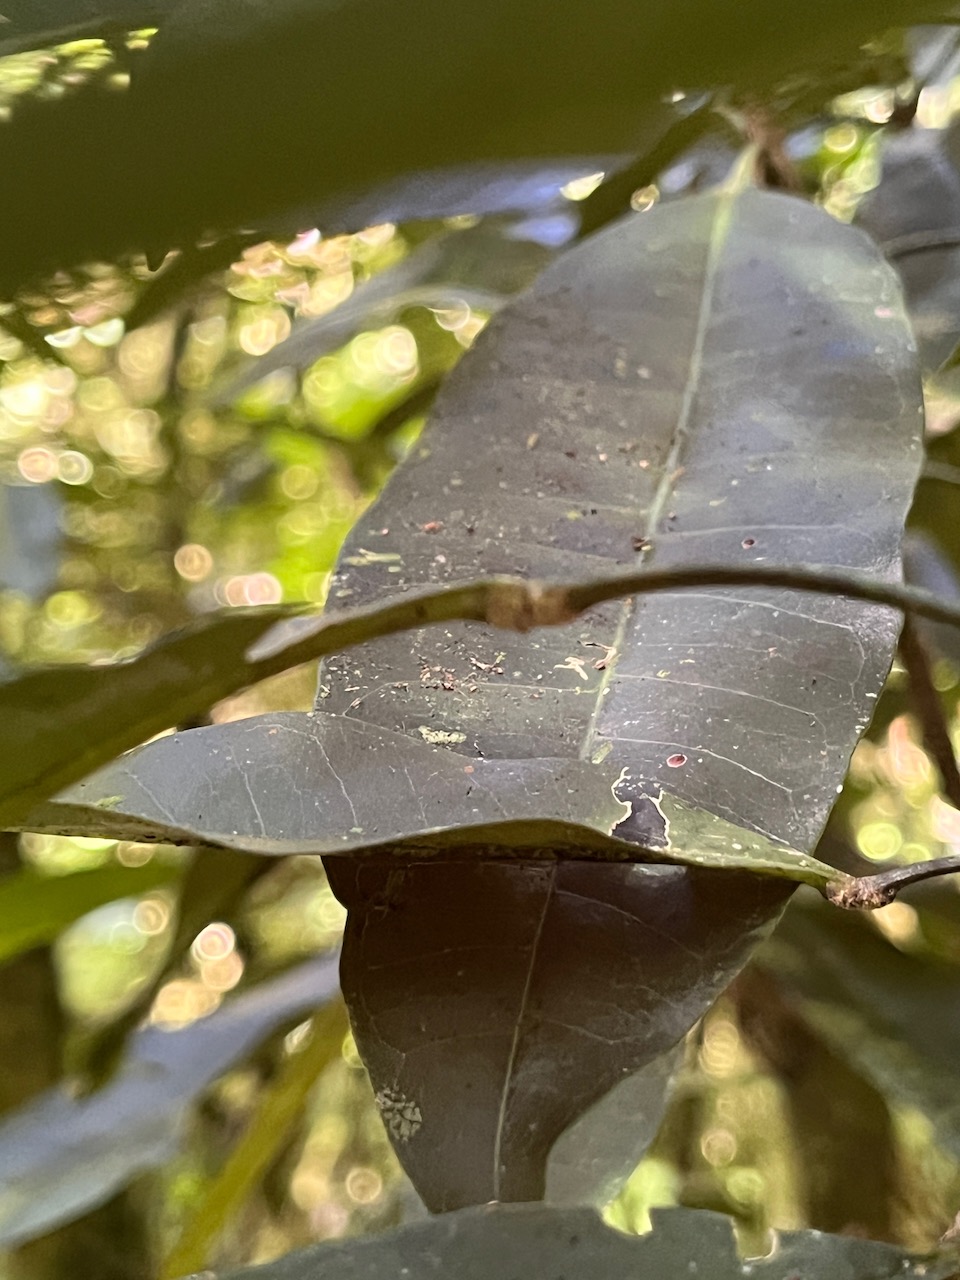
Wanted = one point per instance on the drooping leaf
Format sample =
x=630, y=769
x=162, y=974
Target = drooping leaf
x=542, y=1244
x=62, y=1155
x=35, y=908
x=894, y=1017
x=549, y=1001
x=338, y=108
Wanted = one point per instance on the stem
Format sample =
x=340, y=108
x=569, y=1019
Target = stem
x=869, y=892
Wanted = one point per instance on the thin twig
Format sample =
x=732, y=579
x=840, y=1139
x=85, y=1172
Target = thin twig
x=858, y=893
x=612, y=198
x=925, y=701
x=519, y=605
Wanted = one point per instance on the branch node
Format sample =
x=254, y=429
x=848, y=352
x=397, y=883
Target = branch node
x=863, y=893
x=521, y=606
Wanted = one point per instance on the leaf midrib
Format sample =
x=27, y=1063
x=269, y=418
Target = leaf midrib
x=678, y=443
x=518, y=1031
x=665, y=487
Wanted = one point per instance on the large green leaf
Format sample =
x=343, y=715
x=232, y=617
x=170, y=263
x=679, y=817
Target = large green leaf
x=62, y=1155
x=543, y=1244
x=254, y=112
x=730, y=376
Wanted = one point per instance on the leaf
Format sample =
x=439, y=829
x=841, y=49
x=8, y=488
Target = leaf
x=497, y=1007
x=672, y=385
x=279, y=1109
x=925, y=564
x=368, y=91
x=693, y=363
x=529, y=1240
x=34, y=908
x=482, y=187
x=912, y=214
x=894, y=1017
x=62, y=1155
x=102, y=710
x=294, y=783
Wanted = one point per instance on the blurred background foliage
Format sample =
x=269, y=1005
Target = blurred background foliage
x=200, y=433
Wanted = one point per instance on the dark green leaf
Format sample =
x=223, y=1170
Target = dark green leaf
x=314, y=783
x=502, y=1006
x=35, y=908
x=543, y=1244
x=62, y=1155
x=338, y=108
x=59, y=723
x=668, y=391
x=30, y=24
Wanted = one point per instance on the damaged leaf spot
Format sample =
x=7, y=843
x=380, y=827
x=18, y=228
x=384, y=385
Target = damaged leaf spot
x=401, y=1116
x=439, y=737
x=676, y=761
x=108, y=802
